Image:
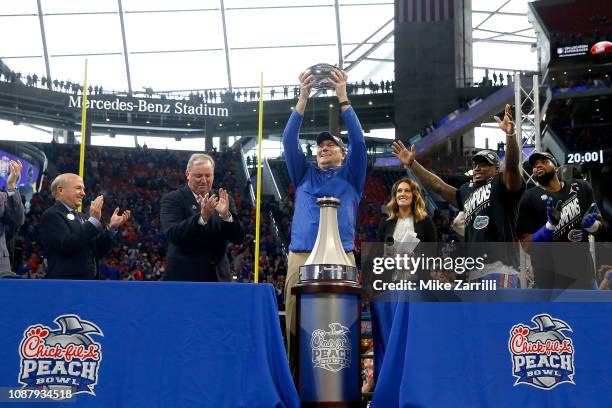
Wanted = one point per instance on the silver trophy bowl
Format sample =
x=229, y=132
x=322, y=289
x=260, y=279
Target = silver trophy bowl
x=321, y=75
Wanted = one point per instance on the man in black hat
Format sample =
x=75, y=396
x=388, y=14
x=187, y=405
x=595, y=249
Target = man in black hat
x=558, y=212
x=489, y=201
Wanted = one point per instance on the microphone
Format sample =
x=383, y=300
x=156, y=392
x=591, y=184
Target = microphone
x=388, y=249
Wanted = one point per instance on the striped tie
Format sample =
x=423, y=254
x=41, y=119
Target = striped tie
x=78, y=216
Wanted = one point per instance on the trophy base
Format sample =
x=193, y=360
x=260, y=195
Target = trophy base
x=328, y=271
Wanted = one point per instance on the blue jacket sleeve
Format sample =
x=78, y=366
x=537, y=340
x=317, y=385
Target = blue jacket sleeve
x=294, y=156
x=356, y=157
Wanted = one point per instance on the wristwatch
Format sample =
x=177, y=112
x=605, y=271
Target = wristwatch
x=344, y=103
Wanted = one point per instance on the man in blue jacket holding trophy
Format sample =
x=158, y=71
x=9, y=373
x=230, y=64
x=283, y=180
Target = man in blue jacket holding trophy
x=340, y=172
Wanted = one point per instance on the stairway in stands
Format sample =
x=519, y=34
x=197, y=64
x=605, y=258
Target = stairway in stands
x=472, y=117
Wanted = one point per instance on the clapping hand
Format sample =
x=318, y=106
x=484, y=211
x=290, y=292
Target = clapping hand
x=589, y=221
x=118, y=220
x=95, y=208
x=14, y=173
x=223, y=205
x=208, y=203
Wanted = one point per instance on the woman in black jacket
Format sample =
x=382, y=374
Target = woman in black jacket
x=407, y=220
x=407, y=213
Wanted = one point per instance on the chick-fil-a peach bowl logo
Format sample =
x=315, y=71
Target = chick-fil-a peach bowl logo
x=67, y=358
x=542, y=355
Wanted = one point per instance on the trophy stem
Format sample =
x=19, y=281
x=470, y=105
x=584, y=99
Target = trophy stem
x=328, y=249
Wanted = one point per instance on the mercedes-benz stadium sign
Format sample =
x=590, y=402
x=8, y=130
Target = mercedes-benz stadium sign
x=139, y=105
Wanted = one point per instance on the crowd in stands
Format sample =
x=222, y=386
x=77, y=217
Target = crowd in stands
x=497, y=78
x=54, y=84
x=136, y=179
x=587, y=137
x=582, y=82
x=196, y=96
x=584, y=34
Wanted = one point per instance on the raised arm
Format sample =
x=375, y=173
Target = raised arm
x=294, y=156
x=357, y=155
x=431, y=181
x=14, y=213
x=512, y=171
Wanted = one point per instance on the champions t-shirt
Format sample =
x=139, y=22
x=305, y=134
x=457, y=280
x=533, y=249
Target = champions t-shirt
x=576, y=198
x=563, y=265
x=491, y=211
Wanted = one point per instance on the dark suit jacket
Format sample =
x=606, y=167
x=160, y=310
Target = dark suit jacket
x=12, y=216
x=72, y=247
x=195, y=252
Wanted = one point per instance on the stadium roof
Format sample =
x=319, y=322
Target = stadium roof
x=181, y=44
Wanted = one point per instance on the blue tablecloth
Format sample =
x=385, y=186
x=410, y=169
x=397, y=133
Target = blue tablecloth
x=457, y=354
x=161, y=344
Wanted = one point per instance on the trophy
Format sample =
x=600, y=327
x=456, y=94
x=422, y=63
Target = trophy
x=321, y=74
x=328, y=319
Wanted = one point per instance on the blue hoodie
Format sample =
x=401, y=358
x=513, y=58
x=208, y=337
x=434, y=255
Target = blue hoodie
x=345, y=182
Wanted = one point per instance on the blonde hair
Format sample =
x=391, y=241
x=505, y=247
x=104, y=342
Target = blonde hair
x=418, y=204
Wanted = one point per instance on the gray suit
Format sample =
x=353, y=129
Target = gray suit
x=12, y=216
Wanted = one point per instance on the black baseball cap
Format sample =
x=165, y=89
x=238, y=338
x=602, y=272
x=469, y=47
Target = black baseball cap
x=487, y=156
x=328, y=136
x=542, y=156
